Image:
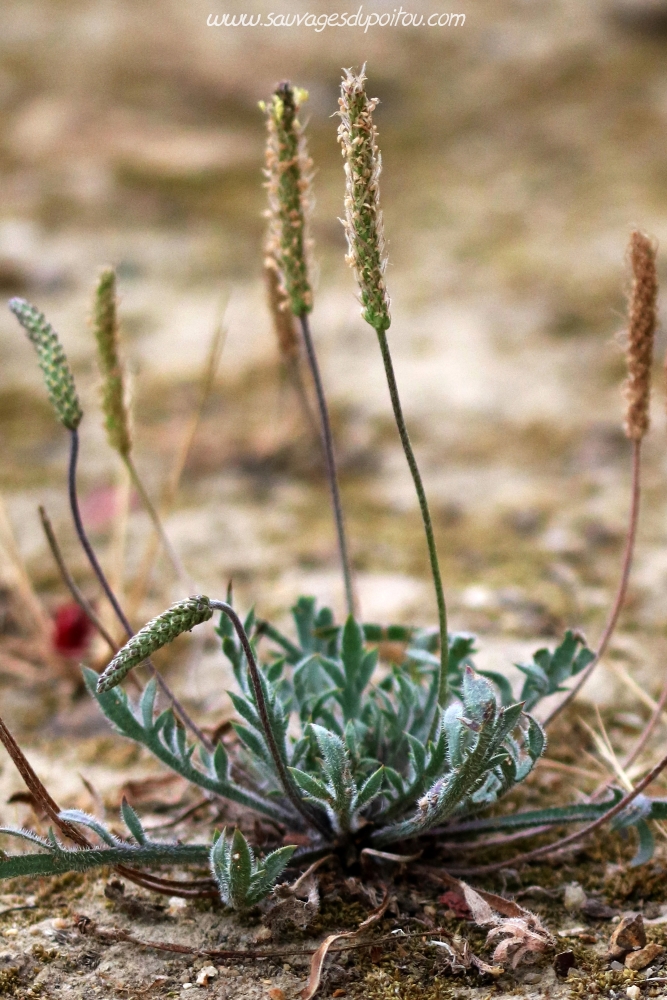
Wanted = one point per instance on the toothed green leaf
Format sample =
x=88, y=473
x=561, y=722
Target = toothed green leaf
x=370, y=788
x=132, y=822
x=311, y=786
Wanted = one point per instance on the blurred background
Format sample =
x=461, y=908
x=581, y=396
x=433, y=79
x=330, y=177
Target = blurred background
x=519, y=151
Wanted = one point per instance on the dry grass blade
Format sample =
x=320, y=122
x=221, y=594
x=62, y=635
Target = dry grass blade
x=573, y=838
x=619, y=599
x=656, y=717
x=319, y=958
x=116, y=554
x=636, y=689
x=207, y=381
x=35, y=616
x=13, y=666
x=35, y=786
x=402, y=859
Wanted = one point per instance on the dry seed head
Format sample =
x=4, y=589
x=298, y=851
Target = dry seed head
x=105, y=322
x=363, y=217
x=642, y=321
x=53, y=362
x=180, y=617
x=281, y=314
x=288, y=173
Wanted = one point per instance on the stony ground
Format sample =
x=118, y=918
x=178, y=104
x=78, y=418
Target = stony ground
x=518, y=150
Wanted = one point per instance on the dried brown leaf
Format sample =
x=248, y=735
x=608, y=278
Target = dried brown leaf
x=319, y=957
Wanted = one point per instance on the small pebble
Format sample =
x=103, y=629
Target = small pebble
x=574, y=897
x=176, y=905
x=628, y=936
x=276, y=993
x=640, y=959
x=633, y=992
x=208, y=973
x=532, y=977
x=616, y=966
x=564, y=963
x=188, y=986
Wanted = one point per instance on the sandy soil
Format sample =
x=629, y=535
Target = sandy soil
x=519, y=151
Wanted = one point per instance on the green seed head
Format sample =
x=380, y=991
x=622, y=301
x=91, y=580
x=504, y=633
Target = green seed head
x=288, y=173
x=53, y=362
x=180, y=617
x=105, y=323
x=363, y=218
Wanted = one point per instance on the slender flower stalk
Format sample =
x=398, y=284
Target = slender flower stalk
x=62, y=392
x=69, y=581
x=288, y=173
x=114, y=405
x=182, y=451
x=357, y=135
x=113, y=600
x=642, y=322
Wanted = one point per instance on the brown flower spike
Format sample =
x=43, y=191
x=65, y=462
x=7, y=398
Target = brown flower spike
x=288, y=172
x=641, y=333
x=281, y=314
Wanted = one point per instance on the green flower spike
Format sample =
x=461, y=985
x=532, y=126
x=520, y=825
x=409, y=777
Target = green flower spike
x=53, y=362
x=105, y=324
x=180, y=617
x=363, y=218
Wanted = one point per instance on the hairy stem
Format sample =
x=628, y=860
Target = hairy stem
x=94, y=857
x=619, y=600
x=104, y=583
x=292, y=793
x=426, y=518
x=167, y=887
x=330, y=459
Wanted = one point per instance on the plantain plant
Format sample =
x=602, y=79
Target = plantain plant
x=331, y=742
